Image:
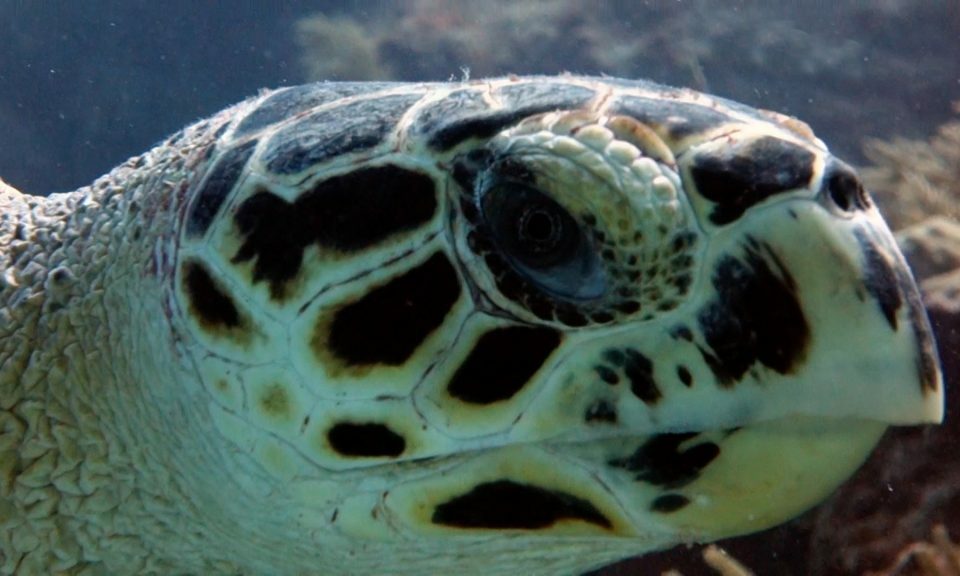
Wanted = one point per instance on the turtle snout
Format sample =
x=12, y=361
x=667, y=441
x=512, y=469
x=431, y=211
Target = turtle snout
x=841, y=189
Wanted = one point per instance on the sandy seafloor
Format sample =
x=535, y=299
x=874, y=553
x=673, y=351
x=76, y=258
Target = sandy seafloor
x=84, y=85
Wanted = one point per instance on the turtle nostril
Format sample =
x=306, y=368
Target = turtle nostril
x=842, y=187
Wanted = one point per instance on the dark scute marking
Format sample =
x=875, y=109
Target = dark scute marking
x=756, y=316
x=219, y=132
x=289, y=102
x=843, y=188
x=347, y=213
x=387, y=324
x=681, y=332
x=521, y=101
x=543, y=93
x=684, y=375
x=739, y=177
x=928, y=363
x=880, y=279
x=207, y=299
x=615, y=356
x=456, y=105
x=322, y=135
x=481, y=127
x=215, y=188
x=467, y=166
x=639, y=371
x=680, y=119
x=365, y=440
x=601, y=411
x=659, y=461
x=505, y=505
x=607, y=374
x=364, y=207
x=669, y=503
x=502, y=362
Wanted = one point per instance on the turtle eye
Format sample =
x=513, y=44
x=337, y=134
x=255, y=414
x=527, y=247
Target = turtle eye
x=542, y=241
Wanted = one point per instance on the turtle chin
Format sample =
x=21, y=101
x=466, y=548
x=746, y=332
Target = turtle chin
x=718, y=484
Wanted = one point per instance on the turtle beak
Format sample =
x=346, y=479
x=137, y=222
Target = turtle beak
x=813, y=303
x=872, y=309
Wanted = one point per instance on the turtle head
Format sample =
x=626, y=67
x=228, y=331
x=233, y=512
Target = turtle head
x=649, y=314
x=713, y=325
x=748, y=273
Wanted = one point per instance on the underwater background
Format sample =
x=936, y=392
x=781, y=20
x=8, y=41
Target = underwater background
x=86, y=84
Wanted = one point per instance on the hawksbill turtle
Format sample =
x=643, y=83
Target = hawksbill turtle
x=512, y=326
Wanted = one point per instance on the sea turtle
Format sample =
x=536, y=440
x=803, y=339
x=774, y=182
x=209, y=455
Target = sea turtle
x=511, y=326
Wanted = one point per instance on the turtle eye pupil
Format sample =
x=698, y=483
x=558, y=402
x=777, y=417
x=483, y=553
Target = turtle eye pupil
x=540, y=228
x=529, y=226
x=541, y=240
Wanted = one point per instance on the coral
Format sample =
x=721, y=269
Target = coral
x=940, y=557
x=932, y=246
x=913, y=179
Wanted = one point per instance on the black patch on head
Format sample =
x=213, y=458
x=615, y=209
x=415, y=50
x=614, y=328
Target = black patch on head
x=607, y=374
x=880, y=279
x=290, y=102
x=756, y=316
x=346, y=213
x=682, y=333
x=637, y=368
x=322, y=135
x=601, y=411
x=466, y=167
x=928, y=363
x=684, y=375
x=738, y=177
x=208, y=300
x=215, y=188
x=219, y=132
x=520, y=101
x=669, y=503
x=365, y=440
x=506, y=505
x=639, y=371
x=661, y=462
x=890, y=285
x=458, y=105
x=388, y=323
x=842, y=188
x=679, y=119
x=502, y=362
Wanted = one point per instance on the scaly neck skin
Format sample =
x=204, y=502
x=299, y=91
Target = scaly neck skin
x=90, y=410
x=107, y=446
